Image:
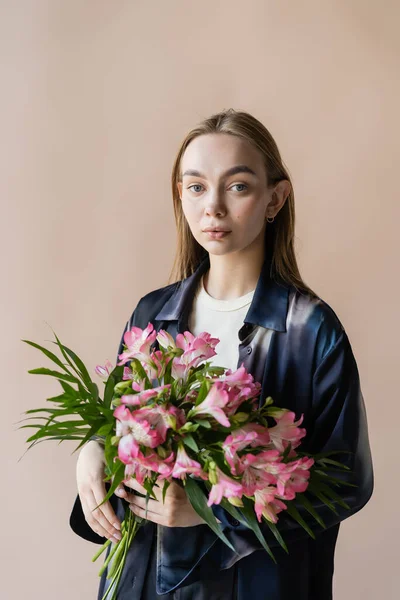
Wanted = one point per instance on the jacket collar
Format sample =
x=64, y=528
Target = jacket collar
x=268, y=308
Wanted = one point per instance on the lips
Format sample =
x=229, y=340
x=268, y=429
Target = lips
x=216, y=230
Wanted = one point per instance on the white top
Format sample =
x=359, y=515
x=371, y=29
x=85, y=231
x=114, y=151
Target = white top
x=222, y=319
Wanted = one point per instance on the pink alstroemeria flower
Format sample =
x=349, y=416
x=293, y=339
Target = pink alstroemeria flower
x=260, y=470
x=213, y=404
x=138, y=341
x=267, y=505
x=299, y=478
x=184, y=465
x=145, y=426
x=226, y=487
x=146, y=464
x=128, y=374
x=242, y=387
x=252, y=435
x=154, y=364
x=286, y=430
x=142, y=397
x=195, y=349
x=165, y=339
x=104, y=372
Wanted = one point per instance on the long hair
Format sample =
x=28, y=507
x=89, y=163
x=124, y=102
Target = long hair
x=279, y=235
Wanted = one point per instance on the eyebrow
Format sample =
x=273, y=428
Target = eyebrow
x=231, y=171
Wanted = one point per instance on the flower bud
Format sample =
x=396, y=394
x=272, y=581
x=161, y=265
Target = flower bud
x=236, y=501
x=240, y=417
x=122, y=386
x=212, y=473
x=162, y=452
x=115, y=440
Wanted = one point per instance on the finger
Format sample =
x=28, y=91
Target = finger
x=122, y=493
x=88, y=504
x=152, y=505
x=135, y=485
x=105, y=514
x=149, y=515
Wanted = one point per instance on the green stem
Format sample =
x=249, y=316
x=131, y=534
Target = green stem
x=109, y=557
x=131, y=526
x=104, y=546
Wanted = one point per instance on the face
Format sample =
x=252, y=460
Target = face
x=224, y=187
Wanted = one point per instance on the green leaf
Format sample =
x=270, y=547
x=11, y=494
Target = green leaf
x=248, y=512
x=329, y=461
x=109, y=391
x=49, y=355
x=328, y=491
x=165, y=487
x=138, y=368
x=205, y=424
x=294, y=513
x=277, y=535
x=189, y=441
x=69, y=390
x=43, y=371
x=119, y=475
x=309, y=507
x=203, y=391
x=198, y=500
x=81, y=367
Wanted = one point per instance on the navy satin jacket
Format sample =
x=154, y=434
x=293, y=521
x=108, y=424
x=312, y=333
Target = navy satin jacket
x=297, y=348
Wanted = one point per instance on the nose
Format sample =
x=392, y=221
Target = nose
x=215, y=204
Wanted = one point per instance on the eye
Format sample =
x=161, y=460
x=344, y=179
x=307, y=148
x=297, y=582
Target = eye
x=241, y=184
x=194, y=185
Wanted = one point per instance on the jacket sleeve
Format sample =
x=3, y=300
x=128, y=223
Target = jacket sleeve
x=339, y=422
x=77, y=520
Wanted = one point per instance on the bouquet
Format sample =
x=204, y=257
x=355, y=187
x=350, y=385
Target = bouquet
x=168, y=414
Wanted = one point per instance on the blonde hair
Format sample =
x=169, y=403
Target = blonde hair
x=279, y=235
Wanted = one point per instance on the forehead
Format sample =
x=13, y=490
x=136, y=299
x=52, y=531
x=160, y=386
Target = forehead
x=214, y=153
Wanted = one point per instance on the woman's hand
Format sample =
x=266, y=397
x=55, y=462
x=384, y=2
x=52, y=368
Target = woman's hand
x=176, y=511
x=92, y=491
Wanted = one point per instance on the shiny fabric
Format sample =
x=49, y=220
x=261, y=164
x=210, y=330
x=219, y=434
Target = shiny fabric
x=296, y=346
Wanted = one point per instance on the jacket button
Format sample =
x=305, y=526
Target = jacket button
x=249, y=349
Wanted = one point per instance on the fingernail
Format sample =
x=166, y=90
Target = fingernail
x=117, y=536
x=117, y=525
x=119, y=491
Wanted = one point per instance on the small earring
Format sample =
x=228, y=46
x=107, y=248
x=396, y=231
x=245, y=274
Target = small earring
x=270, y=219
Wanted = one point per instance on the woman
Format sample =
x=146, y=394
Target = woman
x=236, y=276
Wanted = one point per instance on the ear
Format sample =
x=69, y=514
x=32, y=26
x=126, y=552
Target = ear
x=278, y=197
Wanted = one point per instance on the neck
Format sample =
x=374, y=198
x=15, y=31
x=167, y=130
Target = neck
x=235, y=274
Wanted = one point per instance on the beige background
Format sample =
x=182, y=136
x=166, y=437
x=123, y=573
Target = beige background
x=95, y=99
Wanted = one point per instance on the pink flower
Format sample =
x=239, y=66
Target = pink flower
x=267, y=505
x=137, y=341
x=195, y=349
x=154, y=364
x=146, y=464
x=146, y=426
x=105, y=371
x=128, y=374
x=226, y=487
x=252, y=435
x=299, y=478
x=286, y=430
x=179, y=370
x=184, y=465
x=241, y=386
x=165, y=339
x=261, y=470
x=213, y=404
x=142, y=397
